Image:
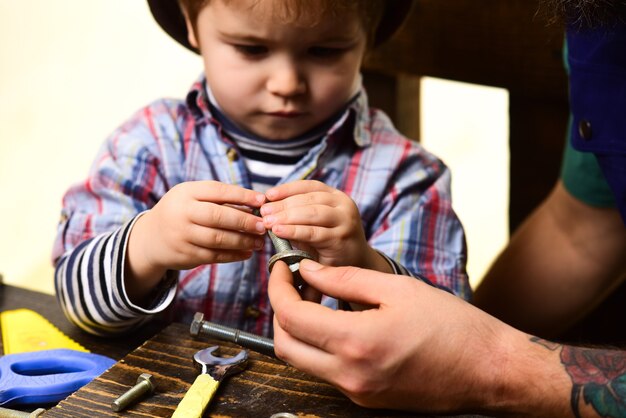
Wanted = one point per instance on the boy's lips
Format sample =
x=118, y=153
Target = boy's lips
x=286, y=114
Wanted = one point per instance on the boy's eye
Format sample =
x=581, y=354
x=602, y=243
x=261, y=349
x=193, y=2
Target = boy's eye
x=323, y=52
x=251, y=50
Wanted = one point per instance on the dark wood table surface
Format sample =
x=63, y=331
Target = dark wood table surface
x=267, y=386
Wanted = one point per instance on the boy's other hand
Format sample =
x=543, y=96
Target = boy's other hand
x=322, y=220
x=195, y=223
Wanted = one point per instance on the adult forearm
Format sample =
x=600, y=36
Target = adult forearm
x=559, y=264
x=596, y=377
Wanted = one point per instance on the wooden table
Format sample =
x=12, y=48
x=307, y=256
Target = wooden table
x=268, y=386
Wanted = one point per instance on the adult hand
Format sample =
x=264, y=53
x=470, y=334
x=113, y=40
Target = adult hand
x=194, y=223
x=420, y=348
x=322, y=220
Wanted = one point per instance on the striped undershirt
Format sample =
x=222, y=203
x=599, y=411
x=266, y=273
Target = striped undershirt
x=268, y=160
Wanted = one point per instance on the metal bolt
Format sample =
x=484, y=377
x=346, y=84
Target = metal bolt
x=286, y=253
x=144, y=386
x=11, y=413
x=245, y=339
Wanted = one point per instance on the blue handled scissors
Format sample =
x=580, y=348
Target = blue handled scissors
x=47, y=376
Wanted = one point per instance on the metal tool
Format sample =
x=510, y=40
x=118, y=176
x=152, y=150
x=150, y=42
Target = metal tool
x=214, y=370
x=245, y=339
x=48, y=376
x=144, y=386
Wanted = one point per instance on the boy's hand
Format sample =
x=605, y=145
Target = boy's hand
x=195, y=223
x=319, y=219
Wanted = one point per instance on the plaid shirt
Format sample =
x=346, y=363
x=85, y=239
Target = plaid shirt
x=401, y=190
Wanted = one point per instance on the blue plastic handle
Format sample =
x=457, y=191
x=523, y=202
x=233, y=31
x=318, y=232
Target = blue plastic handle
x=47, y=376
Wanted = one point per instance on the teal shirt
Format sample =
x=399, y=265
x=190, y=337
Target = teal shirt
x=583, y=178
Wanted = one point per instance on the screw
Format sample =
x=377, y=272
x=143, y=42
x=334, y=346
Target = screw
x=144, y=385
x=245, y=339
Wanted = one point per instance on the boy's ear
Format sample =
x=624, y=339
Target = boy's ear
x=191, y=33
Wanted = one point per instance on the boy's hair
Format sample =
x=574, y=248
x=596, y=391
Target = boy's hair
x=306, y=12
x=381, y=18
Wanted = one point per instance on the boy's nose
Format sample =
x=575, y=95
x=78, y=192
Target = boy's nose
x=285, y=80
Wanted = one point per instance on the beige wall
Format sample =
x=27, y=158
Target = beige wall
x=70, y=72
x=467, y=126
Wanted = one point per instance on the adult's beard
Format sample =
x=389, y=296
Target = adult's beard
x=585, y=14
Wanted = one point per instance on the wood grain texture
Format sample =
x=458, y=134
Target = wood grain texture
x=493, y=42
x=266, y=387
x=500, y=43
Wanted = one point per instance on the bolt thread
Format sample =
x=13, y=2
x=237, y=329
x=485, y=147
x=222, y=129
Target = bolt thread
x=245, y=339
x=131, y=396
x=280, y=244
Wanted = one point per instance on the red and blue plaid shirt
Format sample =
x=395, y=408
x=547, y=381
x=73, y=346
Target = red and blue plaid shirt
x=401, y=190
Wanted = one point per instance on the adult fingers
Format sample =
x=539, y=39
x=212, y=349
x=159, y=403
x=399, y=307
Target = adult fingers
x=308, y=322
x=303, y=356
x=354, y=284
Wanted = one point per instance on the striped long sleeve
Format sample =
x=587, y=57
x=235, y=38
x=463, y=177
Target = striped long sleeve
x=90, y=286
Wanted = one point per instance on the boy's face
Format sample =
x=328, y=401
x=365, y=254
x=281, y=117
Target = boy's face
x=277, y=80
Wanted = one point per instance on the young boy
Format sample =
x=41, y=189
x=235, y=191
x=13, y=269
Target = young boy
x=278, y=121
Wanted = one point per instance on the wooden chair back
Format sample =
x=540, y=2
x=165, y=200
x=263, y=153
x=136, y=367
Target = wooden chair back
x=498, y=43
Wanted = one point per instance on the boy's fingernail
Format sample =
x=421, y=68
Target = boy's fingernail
x=270, y=193
x=266, y=210
x=260, y=198
x=260, y=227
x=310, y=265
x=269, y=220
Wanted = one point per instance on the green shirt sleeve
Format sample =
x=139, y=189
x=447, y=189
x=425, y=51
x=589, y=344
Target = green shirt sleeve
x=583, y=178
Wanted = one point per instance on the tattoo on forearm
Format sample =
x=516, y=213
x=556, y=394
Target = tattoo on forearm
x=598, y=375
x=547, y=344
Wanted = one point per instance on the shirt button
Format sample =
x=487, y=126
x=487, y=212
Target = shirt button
x=252, y=312
x=232, y=155
x=584, y=129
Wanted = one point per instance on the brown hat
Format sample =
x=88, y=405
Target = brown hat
x=168, y=15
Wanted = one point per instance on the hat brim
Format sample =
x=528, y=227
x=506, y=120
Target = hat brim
x=168, y=15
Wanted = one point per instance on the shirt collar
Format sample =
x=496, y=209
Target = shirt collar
x=357, y=113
